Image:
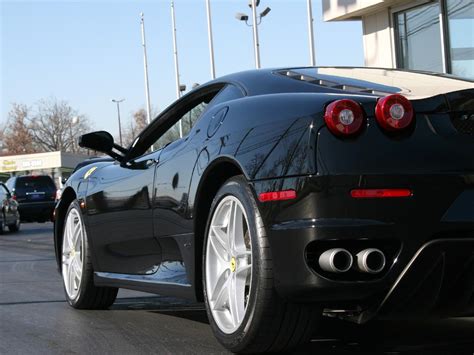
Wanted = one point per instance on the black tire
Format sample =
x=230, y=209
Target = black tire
x=15, y=227
x=270, y=322
x=2, y=224
x=89, y=296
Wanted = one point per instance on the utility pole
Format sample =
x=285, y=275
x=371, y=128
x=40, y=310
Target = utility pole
x=256, y=20
x=311, y=34
x=255, y=35
x=209, y=35
x=176, y=67
x=118, y=115
x=145, y=65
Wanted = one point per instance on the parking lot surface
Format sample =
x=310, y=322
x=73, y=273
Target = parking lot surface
x=34, y=318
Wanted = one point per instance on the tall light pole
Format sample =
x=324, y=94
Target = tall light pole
x=311, y=34
x=176, y=67
x=145, y=65
x=255, y=35
x=209, y=36
x=256, y=20
x=118, y=115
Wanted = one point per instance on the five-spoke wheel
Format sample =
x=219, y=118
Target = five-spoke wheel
x=245, y=312
x=77, y=269
x=228, y=264
x=72, y=253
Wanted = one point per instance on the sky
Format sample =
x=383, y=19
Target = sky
x=88, y=52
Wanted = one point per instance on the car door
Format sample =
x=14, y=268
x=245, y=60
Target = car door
x=119, y=205
x=172, y=226
x=9, y=206
x=4, y=202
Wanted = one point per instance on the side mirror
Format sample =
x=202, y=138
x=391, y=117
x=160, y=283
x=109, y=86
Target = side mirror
x=102, y=141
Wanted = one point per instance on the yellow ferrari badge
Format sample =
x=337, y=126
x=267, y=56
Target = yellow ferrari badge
x=89, y=172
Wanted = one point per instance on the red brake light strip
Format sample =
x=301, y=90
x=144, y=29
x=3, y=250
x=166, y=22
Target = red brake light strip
x=381, y=193
x=277, y=195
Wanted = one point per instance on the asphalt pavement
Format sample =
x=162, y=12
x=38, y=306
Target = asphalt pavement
x=35, y=319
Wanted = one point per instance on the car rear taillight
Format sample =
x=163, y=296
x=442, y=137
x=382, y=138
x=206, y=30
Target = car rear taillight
x=344, y=117
x=394, y=112
x=14, y=197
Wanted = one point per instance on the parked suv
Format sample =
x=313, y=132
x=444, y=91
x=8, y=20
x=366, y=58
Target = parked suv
x=36, y=195
x=9, y=215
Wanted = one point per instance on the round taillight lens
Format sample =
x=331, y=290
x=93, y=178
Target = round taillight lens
x=394, y=112
x=344, y=117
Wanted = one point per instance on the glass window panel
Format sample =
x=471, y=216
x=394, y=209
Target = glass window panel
x=419, y=38
x=189, y=119
x=461, y=36
x=187, y=122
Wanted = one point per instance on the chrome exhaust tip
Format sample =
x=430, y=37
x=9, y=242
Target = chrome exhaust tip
x=336, y=260
x=371, y=261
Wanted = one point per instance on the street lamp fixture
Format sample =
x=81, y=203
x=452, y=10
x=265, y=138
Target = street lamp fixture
x=257, y=19
x=265, y=12
x=241, y=17
x=257, y=2
x=118, y=116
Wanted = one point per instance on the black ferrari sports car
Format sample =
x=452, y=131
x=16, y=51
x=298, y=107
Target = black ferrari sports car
x=278, y=197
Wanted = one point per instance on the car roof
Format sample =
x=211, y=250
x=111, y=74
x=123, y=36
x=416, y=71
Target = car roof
x=360, y=80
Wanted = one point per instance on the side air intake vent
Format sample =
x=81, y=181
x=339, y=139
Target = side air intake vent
x=464, y=123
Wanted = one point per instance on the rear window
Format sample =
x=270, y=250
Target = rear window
x=38, y=183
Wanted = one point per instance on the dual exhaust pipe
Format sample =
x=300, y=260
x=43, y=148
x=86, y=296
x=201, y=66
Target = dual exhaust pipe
x=339, y=260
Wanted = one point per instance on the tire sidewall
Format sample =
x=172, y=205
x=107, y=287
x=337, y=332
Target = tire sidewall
x=16, y=226
x=3, y=225
x=87, y=274
x=238, y=187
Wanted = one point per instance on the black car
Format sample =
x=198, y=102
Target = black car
x=9, y=215
x=90, y=161
x=36, y=196
x=281, y=196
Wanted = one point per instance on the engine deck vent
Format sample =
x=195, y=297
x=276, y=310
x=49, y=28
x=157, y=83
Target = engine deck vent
x=331, y=84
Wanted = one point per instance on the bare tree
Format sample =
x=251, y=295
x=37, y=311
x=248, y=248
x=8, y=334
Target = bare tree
x=16, y=136
x=139, y=118
x=137, y=124
x=56, y=126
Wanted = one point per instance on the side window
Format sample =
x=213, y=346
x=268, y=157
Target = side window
x=184, y=124
x=10, y=183
x=189, y=119
x=228, y=93
x=3, y=192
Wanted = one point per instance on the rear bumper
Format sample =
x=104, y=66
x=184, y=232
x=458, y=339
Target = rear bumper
x=439, y=280
x=435, y=227
x=36, y=211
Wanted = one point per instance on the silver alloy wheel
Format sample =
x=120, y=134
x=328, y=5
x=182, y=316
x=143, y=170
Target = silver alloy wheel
x=228, y=264
x=73, y=256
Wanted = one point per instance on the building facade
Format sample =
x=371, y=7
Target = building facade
x=55, y=164
x=431, y=35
